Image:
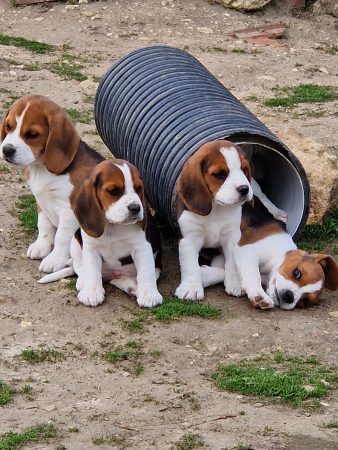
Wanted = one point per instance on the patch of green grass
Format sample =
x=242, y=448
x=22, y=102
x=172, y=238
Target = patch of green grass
x=316, y=237
x=27, y=212
x=4, y=168
x=33, y=46
x=67, y=68
x=38, y=433
x=190, y=441
x=34, y=356
x=137, y=368
x=32, y=67
x=304, y=93
x=6, y=393
x=135, y=325
x=26, y=389
x=113, y=440
x=71, y=284
x=85, y=116
x=331, y=424
x=285, y=379
x=239, y=50
x=174, y=309
x=252, y=98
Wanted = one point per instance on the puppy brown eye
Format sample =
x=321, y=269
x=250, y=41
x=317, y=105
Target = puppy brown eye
x=7, y=128
x=31, y=135
x=138, y=189
x=114, y=191
x=297, y=274
x=221, y=175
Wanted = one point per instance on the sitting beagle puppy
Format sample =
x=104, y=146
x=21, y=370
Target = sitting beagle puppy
x=267, y=256
x=38, y=135
x=113, y=243
x=212, y=187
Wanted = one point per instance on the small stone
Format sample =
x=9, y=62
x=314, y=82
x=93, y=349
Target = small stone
x=12, y=73
x=83, y=1
x=25, y=324
x=87, y=13
x=266, y=78
x=39, y=19
x=96, y=18
x=71, y=7
x=309, y=388
x=255, y=335
x=324, y=70
x=324, y=404
x=88, y=87
x=49, y=408
x=205, y=30
x=109, y=34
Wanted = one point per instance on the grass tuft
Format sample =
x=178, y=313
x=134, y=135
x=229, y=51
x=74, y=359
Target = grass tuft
x=292, y=380
x=304, y=93
x=174, y=309
x=27, y=212
x=67, y=68
x=331, y=424
x=33, y=46
x=34, y=356
x=316, y=237
x=85, y=116
x=6, y=393
x=38, y=433
x=190, y=441
x=113, y=440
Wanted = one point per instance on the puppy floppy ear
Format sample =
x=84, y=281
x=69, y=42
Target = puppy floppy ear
x=330, y=269
x=192, y=188
x=139, y=189
x=62, y=143
x=87, y=208
x=3, y=133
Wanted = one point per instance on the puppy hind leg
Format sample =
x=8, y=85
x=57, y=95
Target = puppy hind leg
x=213, y=274
x=128, y=285
x=277, y=213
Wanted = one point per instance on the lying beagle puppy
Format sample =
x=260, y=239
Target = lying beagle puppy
x=38, y=135
x=212, y=187
x=112, y=243
x=266, y=255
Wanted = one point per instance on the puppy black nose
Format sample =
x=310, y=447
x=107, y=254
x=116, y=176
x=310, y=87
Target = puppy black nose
x=288, y=297
x=134, y=208
x=243, y=189
x=8, y=150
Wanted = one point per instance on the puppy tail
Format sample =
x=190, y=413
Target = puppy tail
x=55, y=276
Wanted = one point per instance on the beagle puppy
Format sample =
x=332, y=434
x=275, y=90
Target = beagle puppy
x=113, y=243
x=211, y=189
x=38, y=135
x=267, y=256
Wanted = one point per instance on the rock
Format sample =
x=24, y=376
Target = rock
x=205, y=30
x=88, y=87
x=326, y=6
x=320, y=167
x=243, y=5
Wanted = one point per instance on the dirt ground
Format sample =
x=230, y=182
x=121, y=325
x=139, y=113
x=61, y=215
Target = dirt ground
x=83, y=391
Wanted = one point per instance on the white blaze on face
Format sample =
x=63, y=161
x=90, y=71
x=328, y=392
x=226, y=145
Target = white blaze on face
x=23, y=155
x=284, y=284
x=118, y=212
x=228, y=193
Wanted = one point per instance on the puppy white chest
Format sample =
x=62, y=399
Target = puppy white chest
x=51, y=191
x=214, y=227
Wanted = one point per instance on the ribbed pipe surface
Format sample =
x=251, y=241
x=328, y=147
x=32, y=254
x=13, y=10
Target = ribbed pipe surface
x=157, y=105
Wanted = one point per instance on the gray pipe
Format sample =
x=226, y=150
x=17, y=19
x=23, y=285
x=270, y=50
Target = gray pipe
x=157, y=105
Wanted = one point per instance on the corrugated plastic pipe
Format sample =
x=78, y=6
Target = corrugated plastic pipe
x=157, y=105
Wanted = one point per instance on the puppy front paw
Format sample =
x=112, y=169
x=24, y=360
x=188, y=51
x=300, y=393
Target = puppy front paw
x=190, y=291
x=262, y=301
x=91, y=296
x=39, y=249
x=148, y=297
x=53, y=262
x=234, y=289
